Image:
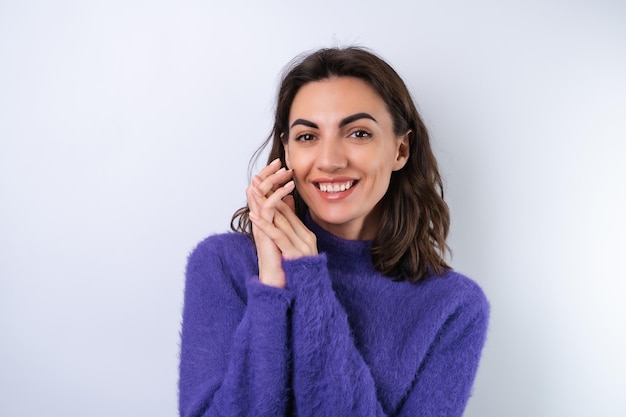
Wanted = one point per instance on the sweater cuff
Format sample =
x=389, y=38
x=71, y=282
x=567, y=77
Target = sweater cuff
x=266, y=294
x=306, y=271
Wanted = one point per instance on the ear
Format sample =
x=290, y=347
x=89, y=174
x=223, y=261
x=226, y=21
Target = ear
x=402, y=151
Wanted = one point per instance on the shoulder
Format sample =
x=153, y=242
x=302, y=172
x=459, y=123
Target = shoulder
x=460, y=288
x=451, y=294
x=465, y=300
x=232, y=254
x=222, y=244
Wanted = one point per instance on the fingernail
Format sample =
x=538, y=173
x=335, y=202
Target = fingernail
x=290, y=184
x=275, y=161
x=280, y=171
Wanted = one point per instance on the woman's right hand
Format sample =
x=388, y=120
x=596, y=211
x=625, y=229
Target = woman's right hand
x=265, y=191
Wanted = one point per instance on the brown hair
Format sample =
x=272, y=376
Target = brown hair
x=411, y=237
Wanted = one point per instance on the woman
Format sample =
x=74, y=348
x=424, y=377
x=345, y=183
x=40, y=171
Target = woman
x=333, y=298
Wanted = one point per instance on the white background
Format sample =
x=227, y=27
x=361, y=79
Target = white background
x=125, y=132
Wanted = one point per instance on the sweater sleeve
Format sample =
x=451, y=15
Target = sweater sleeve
x=331, y=377
x=234, y=353
x=444, y=380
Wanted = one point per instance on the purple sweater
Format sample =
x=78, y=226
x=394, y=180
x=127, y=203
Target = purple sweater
x=340, y=340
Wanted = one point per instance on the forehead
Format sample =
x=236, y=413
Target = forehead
x=335, y=98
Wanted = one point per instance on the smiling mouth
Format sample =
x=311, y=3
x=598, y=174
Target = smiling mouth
x=335, y=187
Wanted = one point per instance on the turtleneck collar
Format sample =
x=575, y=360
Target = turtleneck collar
x=333, y=245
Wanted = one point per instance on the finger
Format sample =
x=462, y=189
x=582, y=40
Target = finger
x=269, y=258
x=267, y=205
x=270, y=230
x=285, y=229
x=272, y=182
x=300, y=231
x=252, y=201
x=280, y=237
x=267, y=171
x=263, y=206
x=302, y=242
x=270, y=171
x=256, y=180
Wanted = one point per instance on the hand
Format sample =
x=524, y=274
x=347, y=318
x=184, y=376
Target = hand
x=269, y=256
x=290, y=235
x=278, y=232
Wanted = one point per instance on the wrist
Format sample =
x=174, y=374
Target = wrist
x=273, y=278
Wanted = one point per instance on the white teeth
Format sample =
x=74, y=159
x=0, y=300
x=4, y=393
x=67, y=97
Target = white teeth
x=335, y=187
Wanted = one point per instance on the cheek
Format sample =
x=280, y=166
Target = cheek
x=382, y=173
x=298, y=161
x=297, y=176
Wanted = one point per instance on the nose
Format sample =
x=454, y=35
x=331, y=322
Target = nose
x=331, y=155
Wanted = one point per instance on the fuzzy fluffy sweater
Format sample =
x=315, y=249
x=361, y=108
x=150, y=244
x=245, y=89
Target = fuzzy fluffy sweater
x=339, y=340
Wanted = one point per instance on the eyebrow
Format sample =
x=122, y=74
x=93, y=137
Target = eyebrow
x=345, y=121
x=305, y=123
x=355, y=117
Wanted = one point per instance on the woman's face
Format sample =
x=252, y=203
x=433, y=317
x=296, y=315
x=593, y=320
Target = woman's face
x=342, y=150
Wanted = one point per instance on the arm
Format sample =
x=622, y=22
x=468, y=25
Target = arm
x=331, y=377
x=444, y=380
x=234, y=352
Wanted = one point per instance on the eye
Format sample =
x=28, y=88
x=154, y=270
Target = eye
x=305, y=137
x=361, y=134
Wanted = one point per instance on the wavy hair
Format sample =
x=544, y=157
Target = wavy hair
x=410, y=242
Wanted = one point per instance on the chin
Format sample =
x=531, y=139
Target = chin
x=336, y=216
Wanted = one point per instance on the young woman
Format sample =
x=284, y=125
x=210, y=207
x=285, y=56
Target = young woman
x=333, y=298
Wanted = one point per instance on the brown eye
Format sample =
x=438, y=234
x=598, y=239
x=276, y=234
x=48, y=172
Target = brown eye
x=361, y=134
x=305, y=137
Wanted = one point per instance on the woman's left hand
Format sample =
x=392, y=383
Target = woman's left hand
x=289, y=234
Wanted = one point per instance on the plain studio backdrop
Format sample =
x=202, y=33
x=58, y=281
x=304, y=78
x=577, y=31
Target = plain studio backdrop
x=125, y=133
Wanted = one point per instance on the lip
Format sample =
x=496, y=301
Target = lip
x=338, y=195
